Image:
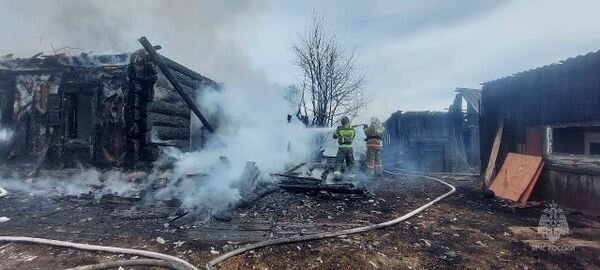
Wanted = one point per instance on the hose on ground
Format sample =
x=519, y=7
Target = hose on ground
x=136, y=262
x=117, y=250
x=211, y=264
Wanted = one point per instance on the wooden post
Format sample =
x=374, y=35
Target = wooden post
x=167, y=72
x=493, y=156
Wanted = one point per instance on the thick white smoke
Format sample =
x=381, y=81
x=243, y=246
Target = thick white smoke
x=253, y=127
x=77, y=184
x=5, y=134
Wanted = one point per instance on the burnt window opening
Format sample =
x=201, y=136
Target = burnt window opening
x=79, y=119
x=575, y=140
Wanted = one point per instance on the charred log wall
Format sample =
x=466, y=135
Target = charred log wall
x=170, y=116
x=164, y=118
x=63, y=112
x=142, y=77
x=65, y=116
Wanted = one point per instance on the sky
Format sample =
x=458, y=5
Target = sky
x=413, y=53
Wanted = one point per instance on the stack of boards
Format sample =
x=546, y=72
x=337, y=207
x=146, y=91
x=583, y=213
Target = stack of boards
x=517, y=177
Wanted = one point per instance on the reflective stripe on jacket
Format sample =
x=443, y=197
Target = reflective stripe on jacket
x=374, y=143
x=344, y=135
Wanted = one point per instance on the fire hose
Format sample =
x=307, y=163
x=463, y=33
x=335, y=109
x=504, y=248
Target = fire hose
x=170, y=261
x=211, y=264
x=179, y=264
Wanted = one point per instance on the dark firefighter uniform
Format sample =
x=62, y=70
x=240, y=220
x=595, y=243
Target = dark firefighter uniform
x=344, y=135
x=374, y=135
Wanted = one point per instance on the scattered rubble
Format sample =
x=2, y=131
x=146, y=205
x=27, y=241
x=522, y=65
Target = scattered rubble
x=283, y=214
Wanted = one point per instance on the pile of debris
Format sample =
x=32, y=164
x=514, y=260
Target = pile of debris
x=302, y=178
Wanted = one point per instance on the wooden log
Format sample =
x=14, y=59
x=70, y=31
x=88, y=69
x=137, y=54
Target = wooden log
x=293, y=169
x=334, y=188
x=183, y=70
x=297, y=177
x=167, y=72
x=171, y=133
x=167, y=94
x=182, y=144
x=166, y=120
x=187, y=81
x=169, y=109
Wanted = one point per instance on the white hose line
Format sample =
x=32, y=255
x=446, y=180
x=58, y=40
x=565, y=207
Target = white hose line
x=3, y=192
x=118, y=250
x=210, y=265
x=136, y=262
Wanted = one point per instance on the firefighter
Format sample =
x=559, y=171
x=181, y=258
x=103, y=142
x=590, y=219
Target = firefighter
x=344, y=135
x=374, y=133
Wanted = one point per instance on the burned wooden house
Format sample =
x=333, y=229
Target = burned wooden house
x=436, y=141
x=103, y=110
x=554, y=112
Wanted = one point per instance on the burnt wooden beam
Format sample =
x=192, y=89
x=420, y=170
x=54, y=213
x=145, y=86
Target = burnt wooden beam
x=293, y=169
x=334, y=188
x=178, y=217
x=294, y=177
x=187, y=81
x=183, y=70
x=167, y=72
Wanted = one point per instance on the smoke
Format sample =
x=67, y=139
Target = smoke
x=201, y=35
x=196, y=33
x=74, y=185
x=253, y=127
x=5, y=134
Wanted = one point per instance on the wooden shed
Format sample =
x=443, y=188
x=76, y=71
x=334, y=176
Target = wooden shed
x=104, y=110
x=430, y=141
x=554, y=112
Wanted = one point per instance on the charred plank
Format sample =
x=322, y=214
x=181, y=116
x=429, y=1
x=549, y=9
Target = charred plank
x=294, y=177
x=334, y=188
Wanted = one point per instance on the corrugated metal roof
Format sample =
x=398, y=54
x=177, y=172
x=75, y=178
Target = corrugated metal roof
x=539, y=69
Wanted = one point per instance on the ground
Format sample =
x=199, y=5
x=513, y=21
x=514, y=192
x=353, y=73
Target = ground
x=462, y=231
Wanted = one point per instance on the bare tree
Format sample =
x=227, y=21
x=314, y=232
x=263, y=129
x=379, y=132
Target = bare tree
x=332, y=86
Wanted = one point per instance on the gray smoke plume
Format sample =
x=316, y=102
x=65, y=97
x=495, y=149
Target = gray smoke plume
x=253, y=127
x=196, y=33
x=5, y=134
x=77, y=184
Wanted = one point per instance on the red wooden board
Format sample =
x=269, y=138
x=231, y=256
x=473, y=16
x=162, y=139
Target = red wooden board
x=517, y=172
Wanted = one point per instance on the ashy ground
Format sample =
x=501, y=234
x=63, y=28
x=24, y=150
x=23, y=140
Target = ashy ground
x=464, y=231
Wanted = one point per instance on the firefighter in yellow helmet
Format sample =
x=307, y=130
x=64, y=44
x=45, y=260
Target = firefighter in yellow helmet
x=374, y=133
x=345, y=135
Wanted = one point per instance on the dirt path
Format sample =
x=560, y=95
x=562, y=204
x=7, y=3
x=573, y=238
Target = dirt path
x=462, y=231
